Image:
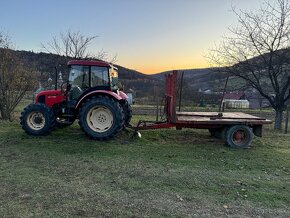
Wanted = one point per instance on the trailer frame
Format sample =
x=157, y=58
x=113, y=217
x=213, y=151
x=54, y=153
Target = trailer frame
x=235, y=128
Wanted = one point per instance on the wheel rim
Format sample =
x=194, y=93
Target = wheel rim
x=35, y=120
x=100, y=119
x=239, y=137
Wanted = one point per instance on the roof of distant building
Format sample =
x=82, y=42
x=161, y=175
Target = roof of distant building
x=234, y=95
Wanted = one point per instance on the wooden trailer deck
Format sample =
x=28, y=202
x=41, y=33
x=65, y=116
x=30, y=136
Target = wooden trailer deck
x=212, y=118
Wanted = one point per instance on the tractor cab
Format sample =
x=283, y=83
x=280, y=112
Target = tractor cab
x=86, y=76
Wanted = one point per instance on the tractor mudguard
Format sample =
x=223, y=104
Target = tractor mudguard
x=123, y=95
x=118, y=97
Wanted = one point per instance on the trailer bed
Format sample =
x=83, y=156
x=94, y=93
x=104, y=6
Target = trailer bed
x=225, y=118
x=237, y=129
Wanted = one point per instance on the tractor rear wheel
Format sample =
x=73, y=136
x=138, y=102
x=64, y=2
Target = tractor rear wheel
x=37, y=119
x=101, y=117
x=127, y=113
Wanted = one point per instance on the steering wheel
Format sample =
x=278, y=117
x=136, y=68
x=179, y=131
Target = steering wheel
x=65, y=87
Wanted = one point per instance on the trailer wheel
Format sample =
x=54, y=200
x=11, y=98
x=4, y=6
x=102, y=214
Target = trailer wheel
x=239, y=136
x=101, y=118
x=37, y=119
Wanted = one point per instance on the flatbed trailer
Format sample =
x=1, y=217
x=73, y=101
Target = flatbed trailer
x=235, y=128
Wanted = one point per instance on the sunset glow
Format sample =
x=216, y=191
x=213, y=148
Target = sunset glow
x=149, y=36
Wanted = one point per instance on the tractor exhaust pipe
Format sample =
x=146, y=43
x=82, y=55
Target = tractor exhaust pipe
x=55, y=86
x=56, y=75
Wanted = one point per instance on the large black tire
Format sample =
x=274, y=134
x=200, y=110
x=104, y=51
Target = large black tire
x=37, y=119
x=239, y=136
x=127, y=113
x=101, y=117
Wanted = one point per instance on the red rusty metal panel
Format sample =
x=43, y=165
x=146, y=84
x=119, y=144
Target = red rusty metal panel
x=170, y=96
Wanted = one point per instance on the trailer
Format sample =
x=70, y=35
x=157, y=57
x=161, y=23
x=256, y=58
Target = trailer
x=235, y=128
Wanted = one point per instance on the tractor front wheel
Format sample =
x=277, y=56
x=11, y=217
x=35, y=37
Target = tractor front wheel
x=101, y=117
x=37, y=119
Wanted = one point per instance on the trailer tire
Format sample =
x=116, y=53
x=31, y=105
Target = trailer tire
x=101, y=117
x=37, y=119
x=239, y=136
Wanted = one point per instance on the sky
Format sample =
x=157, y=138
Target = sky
x=149, y=36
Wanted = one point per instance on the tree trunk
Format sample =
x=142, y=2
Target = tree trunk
x=5, y=115
x=278, y=119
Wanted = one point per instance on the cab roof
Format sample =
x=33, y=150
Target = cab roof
x=89, y=63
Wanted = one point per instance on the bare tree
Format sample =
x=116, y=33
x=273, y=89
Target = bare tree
x=257, y=50
x=15, y=80
x=73, y=44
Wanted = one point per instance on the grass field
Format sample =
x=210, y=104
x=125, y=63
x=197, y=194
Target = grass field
x=165, y=173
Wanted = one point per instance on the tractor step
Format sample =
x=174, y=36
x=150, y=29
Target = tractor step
x=68, y=115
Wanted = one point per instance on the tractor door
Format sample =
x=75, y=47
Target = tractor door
x=79, y=78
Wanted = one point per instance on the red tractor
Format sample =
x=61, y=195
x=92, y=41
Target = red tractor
x=90, y=95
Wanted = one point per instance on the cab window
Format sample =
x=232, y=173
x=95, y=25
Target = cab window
x=79, y=76
x=99, y=76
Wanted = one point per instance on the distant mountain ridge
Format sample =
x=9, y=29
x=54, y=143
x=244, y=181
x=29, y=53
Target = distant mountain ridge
x=205, y=78
x=139, y=83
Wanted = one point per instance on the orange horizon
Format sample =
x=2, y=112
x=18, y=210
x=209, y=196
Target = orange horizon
x=165, y=64
x=155, y=70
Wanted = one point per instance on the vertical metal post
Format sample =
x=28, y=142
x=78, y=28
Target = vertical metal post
x=225, y=87
x=157, y=111
x=157, y=104
x=173, y=91
x=180, y=94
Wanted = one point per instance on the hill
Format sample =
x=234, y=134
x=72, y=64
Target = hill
x=199, y=79
x=45, y=63
x=141, y=85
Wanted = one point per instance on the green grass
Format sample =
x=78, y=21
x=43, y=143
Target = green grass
x=165, y=173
